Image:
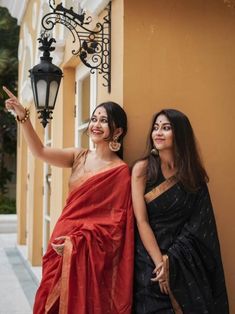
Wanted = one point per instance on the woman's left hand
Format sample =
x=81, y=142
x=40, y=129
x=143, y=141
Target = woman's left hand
x=161, y=278
x=164, y=287
x=59, y=248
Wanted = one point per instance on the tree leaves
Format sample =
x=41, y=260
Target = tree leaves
x=9, y=38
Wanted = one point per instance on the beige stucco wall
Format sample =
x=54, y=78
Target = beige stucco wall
x=180, y=54
x=29, y=170
x=62, y=136
x=34, y=201
x=21, y=188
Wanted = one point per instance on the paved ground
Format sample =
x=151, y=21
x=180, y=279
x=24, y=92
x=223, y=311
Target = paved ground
x=8, y=223
x=17, y=287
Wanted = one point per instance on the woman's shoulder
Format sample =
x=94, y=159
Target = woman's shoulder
x=140, y=168
x=79, y=151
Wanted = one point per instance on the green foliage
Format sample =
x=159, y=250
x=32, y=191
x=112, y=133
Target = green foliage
x=7, y=206
x=5, y=176
x=9, y=38
x=9, y=35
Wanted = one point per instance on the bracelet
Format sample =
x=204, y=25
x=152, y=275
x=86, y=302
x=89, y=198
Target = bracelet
x=27, y=112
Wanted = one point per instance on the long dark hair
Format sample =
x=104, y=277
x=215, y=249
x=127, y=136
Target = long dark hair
x=117, y=118
x=190, y=170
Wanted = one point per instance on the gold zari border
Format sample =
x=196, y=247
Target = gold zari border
x=149, y=197
x=176, y=307
x=61, y=290
x=161, y=188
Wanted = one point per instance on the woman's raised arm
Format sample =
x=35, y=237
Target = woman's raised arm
x=56, y=157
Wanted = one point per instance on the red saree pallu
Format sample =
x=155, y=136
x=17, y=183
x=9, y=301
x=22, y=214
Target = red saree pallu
x=95, y=273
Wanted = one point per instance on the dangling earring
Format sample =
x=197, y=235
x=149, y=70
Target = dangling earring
x=114, y=146
x=154, y=152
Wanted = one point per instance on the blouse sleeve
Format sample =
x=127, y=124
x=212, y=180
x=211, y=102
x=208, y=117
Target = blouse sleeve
x=77, y=157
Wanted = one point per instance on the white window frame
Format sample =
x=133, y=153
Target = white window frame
x=83, y=72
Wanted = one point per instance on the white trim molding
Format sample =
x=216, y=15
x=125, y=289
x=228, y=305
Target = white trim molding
x=26, y=54
x=26, y=93
x=83, y=72
x=94, y=6
x=35, y=15
x=15, y=7
x=58, y=56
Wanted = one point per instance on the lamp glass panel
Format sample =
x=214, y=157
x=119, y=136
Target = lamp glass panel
x=52, y=93
x=42, y=90
x=34, y=91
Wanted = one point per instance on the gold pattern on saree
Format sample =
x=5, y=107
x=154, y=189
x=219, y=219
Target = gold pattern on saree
x=161, y=188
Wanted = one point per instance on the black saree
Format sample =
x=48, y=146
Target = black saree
x=184, y=225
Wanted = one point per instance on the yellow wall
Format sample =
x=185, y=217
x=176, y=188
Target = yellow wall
x=29, y=170
x=34, y=201
x=180, y=54
x=21, y=188
x=62, y=136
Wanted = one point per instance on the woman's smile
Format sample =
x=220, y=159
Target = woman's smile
x=96, y=131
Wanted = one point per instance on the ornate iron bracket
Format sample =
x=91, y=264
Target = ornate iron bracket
x=94, y=45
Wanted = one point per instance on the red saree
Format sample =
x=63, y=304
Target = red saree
x=94, y=275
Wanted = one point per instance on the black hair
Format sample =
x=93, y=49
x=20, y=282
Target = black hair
x=190, y=170
x=117, y=118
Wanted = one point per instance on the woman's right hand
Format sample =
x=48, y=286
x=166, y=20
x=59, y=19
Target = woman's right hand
x=59, y=247
x=60, y=157
x=12, y=103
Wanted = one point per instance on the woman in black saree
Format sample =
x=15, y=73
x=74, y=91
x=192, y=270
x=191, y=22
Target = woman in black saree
x=178, y=267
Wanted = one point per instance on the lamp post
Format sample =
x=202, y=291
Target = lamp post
x=94, y=50
x=45, y=80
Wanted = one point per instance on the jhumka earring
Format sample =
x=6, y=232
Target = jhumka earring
x=154, y=151
x=114, y=146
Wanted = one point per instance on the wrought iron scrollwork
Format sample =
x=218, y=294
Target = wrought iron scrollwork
x=94, y=45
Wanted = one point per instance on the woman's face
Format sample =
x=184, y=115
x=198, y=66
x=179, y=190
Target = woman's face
x=98, y=128
x=162, y=134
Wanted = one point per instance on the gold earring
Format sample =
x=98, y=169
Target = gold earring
x=154, y=152
x=114, y=145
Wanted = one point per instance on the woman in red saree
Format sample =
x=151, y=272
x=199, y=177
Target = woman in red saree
x=94, y=275
x=88, y=266
x=178, y=267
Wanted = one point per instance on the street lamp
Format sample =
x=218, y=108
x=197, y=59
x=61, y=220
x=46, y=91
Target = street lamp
x=45, y=80
x=94, y=50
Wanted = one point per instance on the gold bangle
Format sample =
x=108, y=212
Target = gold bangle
x=27, y=112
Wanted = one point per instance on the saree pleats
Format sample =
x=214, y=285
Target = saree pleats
x=196, y=271
x=184, y=225
x=95, y=274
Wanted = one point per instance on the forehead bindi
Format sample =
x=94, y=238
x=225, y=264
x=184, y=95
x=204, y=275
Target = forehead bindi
x=100, y=112
x=162, y=119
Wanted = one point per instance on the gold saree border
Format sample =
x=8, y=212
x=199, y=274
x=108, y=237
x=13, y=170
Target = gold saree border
x=61, y=290
x=176, y=307
x=64, y=293
x=160, y=189
x=53, y=296
x=149, y=197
